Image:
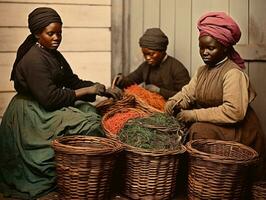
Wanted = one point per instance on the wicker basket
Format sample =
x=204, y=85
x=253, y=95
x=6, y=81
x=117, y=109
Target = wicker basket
x=150, y=174
x=109, y=114
x=259, y=190
x=218, y=169
x=84, y=166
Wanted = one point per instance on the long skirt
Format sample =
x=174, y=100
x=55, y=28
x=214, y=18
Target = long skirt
x=27, y=168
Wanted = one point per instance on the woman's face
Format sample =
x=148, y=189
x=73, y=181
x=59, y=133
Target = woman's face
x=51, y=36
x=211, y=51
x=153, y=57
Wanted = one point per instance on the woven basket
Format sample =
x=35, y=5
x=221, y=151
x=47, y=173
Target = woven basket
x=259, y=190
x=218, y=169
x=150, y=174
x=109, y=114
x=84, y=166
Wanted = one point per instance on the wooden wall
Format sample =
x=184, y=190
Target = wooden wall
x=86, y=40
x=178, y=18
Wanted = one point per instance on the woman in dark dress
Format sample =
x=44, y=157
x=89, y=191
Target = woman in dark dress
x=51, y=101
x=159, y=73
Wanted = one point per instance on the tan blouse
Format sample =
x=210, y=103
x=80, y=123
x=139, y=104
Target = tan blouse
x=218, y=95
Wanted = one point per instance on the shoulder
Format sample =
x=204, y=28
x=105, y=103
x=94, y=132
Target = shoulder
x=174, y=63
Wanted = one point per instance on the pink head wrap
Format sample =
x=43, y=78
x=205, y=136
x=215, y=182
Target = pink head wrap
x=224, y=29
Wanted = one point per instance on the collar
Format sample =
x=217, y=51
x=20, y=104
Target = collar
x=165, y=57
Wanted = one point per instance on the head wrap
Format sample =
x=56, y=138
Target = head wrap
x=224, y=29
x=154, y=38
x=38, y=19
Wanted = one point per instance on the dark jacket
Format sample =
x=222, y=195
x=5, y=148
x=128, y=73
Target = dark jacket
x=170, y=76
x=46, y=76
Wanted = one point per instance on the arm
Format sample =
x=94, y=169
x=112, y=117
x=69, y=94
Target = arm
x=45, y=82
x=180, y=77
x=235, y=100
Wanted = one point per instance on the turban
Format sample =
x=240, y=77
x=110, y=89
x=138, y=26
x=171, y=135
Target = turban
x=37, y=20
x=42, y=17
x=154, y=38
x=224, y=29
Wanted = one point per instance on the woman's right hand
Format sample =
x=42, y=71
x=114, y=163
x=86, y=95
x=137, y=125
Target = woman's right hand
x=98, y=89
x=169, y=107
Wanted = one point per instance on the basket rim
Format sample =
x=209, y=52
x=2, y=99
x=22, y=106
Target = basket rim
x=112, y=146
x=218, y=158
x=145, y=152
x=113, y=112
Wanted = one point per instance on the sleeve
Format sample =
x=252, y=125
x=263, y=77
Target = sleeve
x=235, y=100
x=72, y=81
x=180, y=78
x=186, y=97
x=137, y=75
x=39, y=80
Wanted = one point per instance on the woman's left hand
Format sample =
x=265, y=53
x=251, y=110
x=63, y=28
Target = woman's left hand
x=187, y=116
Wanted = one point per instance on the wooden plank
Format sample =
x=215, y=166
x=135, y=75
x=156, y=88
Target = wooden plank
x=120, y=37
x=167, y=23
x=74, y=39
x=257, y=70
x=257, y=77
x=151, y=13
x=4, y=101
x=72, y=15
x=199, y=7
x=136, y=31
x=85, y=2
x=5, y=83
x=252, y=52
x=93, y=66
x=238, y=11
x=183, y=32
x=257, y=22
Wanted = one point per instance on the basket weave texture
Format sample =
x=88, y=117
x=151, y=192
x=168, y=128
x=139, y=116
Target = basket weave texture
x=84, y=166
x=218, y=169
x=150, y=174
x=259, y=190
x=109, y=133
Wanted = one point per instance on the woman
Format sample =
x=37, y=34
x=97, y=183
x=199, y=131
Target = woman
x=160, y=73
x=217, y=99
x=46, y=106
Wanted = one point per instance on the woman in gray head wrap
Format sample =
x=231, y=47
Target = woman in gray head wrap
x=44, y=107
x=159, y=72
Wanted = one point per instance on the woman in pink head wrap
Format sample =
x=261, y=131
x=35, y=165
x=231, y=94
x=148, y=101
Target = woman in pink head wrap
x=216, y=102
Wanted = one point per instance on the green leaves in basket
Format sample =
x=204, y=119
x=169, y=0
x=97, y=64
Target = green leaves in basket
x=156, y=132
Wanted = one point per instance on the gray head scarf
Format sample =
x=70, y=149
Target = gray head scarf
x=155, y=39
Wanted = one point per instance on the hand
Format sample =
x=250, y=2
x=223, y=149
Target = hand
x=169, y=106
x=122, y=81
x=152, y=88
x=187, y=116
x=114, y=93
x=98, y=88
x=117, y=80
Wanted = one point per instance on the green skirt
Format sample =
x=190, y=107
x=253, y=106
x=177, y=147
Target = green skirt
x=27, y=168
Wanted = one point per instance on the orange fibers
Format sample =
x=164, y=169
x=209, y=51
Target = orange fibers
x=151, y=98
x=115, y=123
